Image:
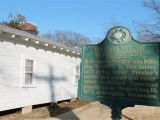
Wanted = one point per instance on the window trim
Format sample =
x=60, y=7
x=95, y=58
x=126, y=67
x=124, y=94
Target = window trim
x=76, y=72
x=77, y=75
x=23, y=72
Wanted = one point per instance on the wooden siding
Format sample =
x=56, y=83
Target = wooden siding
x=54, y=75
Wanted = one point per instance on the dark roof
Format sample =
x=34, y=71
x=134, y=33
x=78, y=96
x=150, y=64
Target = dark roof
x=24, y=34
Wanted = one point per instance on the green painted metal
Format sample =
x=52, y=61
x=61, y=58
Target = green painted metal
x=120, y=70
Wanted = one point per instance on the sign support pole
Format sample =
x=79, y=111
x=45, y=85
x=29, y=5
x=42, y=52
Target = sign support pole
x=116, y=112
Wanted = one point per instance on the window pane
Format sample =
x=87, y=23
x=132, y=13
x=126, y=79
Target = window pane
x=76, y=79
x=29, y=65
x=31, y=62
x=28, y=72
x=28, y=78
x=77, y=70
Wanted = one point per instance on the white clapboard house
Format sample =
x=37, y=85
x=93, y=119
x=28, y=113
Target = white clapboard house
x=35, y=70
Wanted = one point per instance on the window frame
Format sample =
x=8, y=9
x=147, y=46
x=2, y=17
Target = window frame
x=24, y=72
x=76, y=72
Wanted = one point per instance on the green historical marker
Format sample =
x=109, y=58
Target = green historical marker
x=120, y=72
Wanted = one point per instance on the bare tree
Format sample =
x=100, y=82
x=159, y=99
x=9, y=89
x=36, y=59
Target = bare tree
x=151, y=31
x=15, y=21
x=18, y=21
x=68, y=38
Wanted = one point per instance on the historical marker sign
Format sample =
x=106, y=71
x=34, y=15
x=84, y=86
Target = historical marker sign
x=120, y=70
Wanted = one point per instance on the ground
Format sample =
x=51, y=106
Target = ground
x=92, y=111
x=44, y=111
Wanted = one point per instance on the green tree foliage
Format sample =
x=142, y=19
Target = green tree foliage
x=70, y=39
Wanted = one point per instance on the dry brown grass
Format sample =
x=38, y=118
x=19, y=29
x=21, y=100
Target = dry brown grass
x=45, y=111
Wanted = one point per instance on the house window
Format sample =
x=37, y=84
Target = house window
x=28, y=72
x=77, y=74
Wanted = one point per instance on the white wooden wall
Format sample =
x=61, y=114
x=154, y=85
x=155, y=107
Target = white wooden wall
x=54, y=76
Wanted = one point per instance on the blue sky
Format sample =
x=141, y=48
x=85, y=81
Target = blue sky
x=91, y=18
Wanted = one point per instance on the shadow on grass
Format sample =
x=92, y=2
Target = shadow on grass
x=62, y=113
x=55, y=110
